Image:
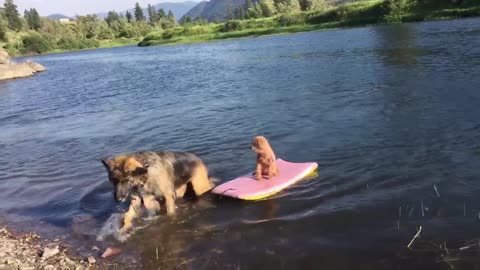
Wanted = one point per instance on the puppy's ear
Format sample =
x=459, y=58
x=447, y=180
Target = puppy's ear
x=135, y=167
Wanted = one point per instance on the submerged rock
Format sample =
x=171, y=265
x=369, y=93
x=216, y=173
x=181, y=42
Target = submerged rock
x=9, y=70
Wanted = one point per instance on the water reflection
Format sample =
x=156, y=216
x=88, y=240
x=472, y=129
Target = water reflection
x=397, y=45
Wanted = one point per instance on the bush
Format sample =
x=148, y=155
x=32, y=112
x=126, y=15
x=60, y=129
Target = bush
x=356, y=13
x=168, y=34
x=231, y=26
x=3, y=29
x=291, y=19
x=196, y=30
x=35, y=43
x=396, y=9
x=260, y=23
x=72, y=43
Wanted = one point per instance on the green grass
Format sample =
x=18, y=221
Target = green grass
x=102, y=44
x=362, y=13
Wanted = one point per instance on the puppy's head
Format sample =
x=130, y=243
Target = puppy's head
x=260, y=144
x=125, y=173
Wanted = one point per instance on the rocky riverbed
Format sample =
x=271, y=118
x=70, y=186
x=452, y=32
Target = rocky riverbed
x=29, y=252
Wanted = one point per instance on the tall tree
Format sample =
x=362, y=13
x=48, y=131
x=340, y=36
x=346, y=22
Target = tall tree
x=161, y=14
x=268, y=8
x=240, y=12
x=88, y=25
x=307, y=5
x=33, y=19
x=171, y=18
x=230, y=12
x=129, y=17
x=112, y=17
x=397, y=8
x=11, y=13
x=152, y=14
x=253, y=10
x=288, y=6
x=3, y=28
x=139, y=13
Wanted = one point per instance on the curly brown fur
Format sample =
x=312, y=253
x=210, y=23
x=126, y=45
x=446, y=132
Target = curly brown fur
x=152, y=176
x=266, y=160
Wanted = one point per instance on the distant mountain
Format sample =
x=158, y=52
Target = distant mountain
x=197, y=11
x=178, y=9
x=218, y=9
x=214, y=9
x=57, y=17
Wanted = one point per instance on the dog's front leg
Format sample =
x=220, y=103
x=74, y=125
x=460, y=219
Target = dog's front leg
x=151, y=204
x=132, y=213
x=170, y=203
x=181, y=191
x=258, y=173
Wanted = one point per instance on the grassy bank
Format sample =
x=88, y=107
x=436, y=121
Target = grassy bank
x=348, y=15
x=104, y=44
x=15, y=46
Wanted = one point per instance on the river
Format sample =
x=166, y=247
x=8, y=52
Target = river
x=390, y=113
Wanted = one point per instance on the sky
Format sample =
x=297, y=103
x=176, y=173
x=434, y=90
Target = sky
x=82, y=7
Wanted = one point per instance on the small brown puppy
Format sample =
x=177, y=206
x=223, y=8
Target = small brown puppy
x=151, y=176
x=266, y=160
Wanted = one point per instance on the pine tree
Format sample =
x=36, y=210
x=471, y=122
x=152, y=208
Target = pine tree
x=240, y=13
x=161, y=14
x=112, y=17
x=3, y=28
x=26, y=15
x=171, y=17
x=251, y=9
x=307, y=5
x=33, y=19
x=230, y=15
x=288, y=6
x=11, y=13
x=139, y=13
x=152, y=14
x=129, y=17
x=268, y=8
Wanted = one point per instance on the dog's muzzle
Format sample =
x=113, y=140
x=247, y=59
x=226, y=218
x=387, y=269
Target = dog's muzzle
x=119, y=199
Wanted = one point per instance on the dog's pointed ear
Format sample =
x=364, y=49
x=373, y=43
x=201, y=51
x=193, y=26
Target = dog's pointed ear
x=107, y=163
x=135, y=167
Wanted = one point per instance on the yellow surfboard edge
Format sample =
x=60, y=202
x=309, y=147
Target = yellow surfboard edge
x=311, y=174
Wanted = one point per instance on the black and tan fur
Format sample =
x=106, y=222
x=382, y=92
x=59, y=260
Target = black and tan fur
x=149, y=177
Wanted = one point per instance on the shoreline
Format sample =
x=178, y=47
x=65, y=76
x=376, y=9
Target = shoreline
x=264, y=32
x=61, y=51
x=28, y=251
x=308, y=23
x=253, y=33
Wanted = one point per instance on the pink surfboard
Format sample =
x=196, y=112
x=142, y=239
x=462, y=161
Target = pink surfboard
x=248, y=188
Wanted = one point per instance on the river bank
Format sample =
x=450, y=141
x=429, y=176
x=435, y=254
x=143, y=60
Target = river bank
x=349, y=15
x=29, y=251
x=103, y=45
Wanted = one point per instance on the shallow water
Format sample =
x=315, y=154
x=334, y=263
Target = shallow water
x=388, y=112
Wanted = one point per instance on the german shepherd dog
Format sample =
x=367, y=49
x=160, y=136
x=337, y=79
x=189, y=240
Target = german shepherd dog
x=149, y=177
